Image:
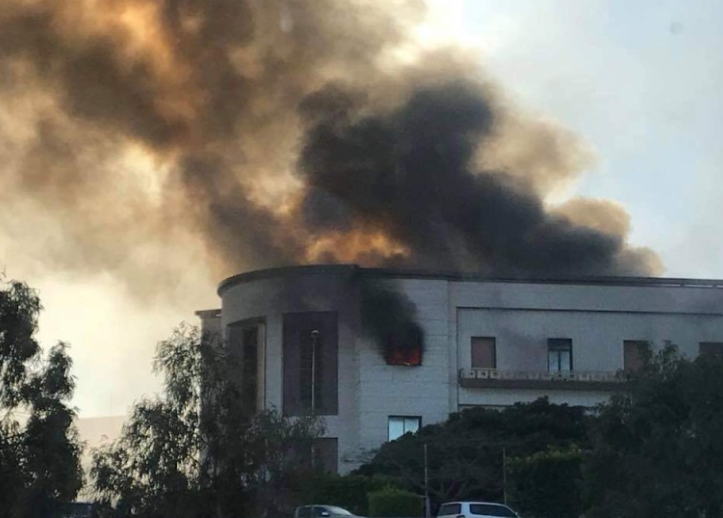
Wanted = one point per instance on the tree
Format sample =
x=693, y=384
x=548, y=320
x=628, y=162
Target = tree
x=194, y=450
x=657, y=450
x=39, y=449
x=465, y=453
x=547, y=484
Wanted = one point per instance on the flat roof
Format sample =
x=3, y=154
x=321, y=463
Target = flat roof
x=396, y=273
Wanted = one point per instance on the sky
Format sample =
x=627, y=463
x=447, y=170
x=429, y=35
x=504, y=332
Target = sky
x=639, y=82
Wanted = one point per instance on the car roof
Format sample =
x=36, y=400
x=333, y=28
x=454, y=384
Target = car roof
x=475, y=502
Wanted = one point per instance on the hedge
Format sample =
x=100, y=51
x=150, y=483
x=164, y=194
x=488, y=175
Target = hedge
x=391, y=502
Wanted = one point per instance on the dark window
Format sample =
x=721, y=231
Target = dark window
x=326, y=455
x=399, y=425
x=447, y=509
x=245, y=345
x=491, y=510
x=635, y=354
x=301, y=344
x=559, y=354
x=311, y=344
x=250, y=368
x=712, y=349
x=484, y=352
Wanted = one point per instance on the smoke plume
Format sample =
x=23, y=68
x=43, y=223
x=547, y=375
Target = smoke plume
x=145, y=138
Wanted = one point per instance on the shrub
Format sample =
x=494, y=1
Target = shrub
x=391, y=502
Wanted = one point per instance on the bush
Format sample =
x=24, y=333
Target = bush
x=350, y=492
x=390, y=502
x=547, y=484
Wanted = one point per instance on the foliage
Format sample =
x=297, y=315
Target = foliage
x=194, y=450
x=39, y=448
x=465, y=452
x=657, y=450
x=395, y=502
x=546, y=484
x=350, y=491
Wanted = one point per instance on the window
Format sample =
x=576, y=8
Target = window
x=712, y=349
x=310, y=335
x=559, y=354
x=250, y=368
x=491, y=510
x=246, y=340
x=484, y=352
x=634, y=355
x=448, y=509
x=326, y=455
x=410, y=356
x=399, y=425
x=311, y=343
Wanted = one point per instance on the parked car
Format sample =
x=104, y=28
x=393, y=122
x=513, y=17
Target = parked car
x=475, y=510
x=321, y=511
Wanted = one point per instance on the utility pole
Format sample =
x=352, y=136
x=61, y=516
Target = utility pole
x=427, y=510
x=314, y=337
x=504, y=475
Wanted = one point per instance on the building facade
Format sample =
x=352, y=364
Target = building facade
x=308, y=342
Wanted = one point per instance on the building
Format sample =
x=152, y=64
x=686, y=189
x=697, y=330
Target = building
x=394, y=350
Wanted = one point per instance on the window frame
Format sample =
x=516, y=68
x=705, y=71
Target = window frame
x=559, y=345
x=404, y=430
x=640, y=345
x=481, y=339
x=710, y=345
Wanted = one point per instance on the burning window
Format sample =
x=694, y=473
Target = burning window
x=389, y=318
x=409, y=355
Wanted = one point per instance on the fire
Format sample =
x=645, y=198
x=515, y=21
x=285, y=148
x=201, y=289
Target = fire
x=362, y=246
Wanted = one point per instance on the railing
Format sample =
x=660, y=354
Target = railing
x=593, y=376
x=575, y=380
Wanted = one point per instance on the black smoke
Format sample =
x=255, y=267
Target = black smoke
x=410, y=171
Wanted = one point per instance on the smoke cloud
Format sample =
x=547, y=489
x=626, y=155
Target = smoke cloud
x=143, y=139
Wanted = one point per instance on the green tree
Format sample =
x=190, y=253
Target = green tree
x=465, y=453
x=39, y=448
x=194, y=450
x=547, y=484
x=657, y=450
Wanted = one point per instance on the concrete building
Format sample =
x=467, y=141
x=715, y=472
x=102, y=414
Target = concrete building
x=480, y=341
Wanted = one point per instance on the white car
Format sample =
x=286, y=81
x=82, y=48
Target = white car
x=475, y=510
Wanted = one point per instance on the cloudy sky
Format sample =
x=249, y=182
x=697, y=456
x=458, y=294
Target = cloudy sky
x=640, y=82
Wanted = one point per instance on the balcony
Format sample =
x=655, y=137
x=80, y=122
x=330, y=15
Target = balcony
x=543, y=380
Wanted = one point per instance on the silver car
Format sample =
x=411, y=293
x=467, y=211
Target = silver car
x=321, y=511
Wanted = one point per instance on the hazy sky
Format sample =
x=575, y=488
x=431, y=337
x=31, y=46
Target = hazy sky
x=640, y=82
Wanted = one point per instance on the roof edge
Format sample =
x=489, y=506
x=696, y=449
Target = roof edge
x=346, y=269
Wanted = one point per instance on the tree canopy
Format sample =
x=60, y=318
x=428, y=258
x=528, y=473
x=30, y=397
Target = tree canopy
x=465, y=453
x=194, y=450
x=39, y=449
x=657, y=450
